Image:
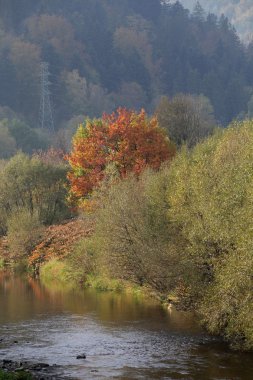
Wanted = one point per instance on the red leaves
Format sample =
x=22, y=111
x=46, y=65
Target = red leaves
x=128, y=139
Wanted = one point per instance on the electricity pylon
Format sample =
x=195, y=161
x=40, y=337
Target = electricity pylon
x=46, y=120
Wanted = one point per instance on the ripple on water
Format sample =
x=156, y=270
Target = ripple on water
x=123, y=337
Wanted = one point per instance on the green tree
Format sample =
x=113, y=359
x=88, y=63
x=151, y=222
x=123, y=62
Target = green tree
x=34, y=185
x=133, y=238
x=210, y=199
x=27, y=139
x=186, y=118
x=7, y=142
x=24, y=232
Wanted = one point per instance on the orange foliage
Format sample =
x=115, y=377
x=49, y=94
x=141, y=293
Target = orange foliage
x=129, y=140
x=59, y=240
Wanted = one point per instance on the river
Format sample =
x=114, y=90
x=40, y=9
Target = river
x=123, y=336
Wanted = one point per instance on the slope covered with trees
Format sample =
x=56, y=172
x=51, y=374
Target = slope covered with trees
x=239, y=12
x=106, y=54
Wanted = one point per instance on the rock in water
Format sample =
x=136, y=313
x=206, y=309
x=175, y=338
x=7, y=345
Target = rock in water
x=83, y=356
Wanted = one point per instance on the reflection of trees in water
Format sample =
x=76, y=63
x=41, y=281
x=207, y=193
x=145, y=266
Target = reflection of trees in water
x=25, y=298
x=21, y=298
x=36, y=288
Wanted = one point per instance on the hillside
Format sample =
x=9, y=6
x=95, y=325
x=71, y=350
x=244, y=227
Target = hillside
x=106, y=54
x=239, y=12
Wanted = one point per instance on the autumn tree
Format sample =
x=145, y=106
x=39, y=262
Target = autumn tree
x=54, y=34
x=129, y=140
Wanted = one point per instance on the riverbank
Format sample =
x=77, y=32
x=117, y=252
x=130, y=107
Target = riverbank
x=57, y=242
x=49, y=261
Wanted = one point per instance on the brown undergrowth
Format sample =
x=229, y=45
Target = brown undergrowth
x=57, y=242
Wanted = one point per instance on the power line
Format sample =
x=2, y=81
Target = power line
x=46, y=120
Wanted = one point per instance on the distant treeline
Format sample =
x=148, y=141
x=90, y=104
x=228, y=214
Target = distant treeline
x=105, y=54
x=239, y=12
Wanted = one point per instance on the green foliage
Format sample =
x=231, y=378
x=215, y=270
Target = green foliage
x=34, y=185
x=15, y=376
x=24, y=232
x=7, y=142
x=185, y=230
x=54, y=270
x=2, y=264
x=239, y=12
x=133, y=239
x=211, y=201
x=103, y=283
x=16, y=135
x=82, y=261
x=186, y=118
x=27, y=139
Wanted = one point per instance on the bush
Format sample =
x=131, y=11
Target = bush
x=211, y=201
x=102, y=283
x=24, y=232
x=82, y=262
x=133, y=238
x=34, y=185
x=54, y=270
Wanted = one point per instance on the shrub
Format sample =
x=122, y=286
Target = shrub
x=82, y=261
x=211, y=201
x=24, y=232
x=35, y=185
x=133, y=238
x=54, y=270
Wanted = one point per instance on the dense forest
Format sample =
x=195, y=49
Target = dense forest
x=239, y=12
x=106, y=54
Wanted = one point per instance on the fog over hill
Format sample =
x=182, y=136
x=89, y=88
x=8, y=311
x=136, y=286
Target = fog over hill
x=239, y=12
x=105, y=54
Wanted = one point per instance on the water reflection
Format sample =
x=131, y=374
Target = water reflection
x=124, y=336
x=22, y=299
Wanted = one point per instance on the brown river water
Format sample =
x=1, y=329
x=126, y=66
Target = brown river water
x=123, y=336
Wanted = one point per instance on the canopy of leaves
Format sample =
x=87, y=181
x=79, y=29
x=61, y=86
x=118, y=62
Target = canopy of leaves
x=129, y=140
